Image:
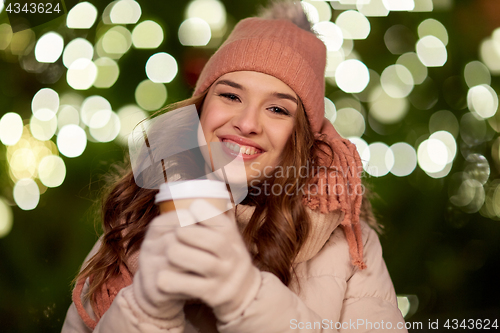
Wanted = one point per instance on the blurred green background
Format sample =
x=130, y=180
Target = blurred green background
x=442, y=229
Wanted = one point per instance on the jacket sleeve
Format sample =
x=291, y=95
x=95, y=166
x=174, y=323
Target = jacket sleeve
x=331, y=293
x=370, y=303
x=123, y=316
x=314, y=307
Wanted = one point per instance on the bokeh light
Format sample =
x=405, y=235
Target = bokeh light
x=372, y=8
x=147, y=35
x=496, y=200
x=26, y=194
x=212, y=12
x=23, y=163
x=71, y=140
x=374, y=84
x=432, y=155
x=405, y=159
x=399, y=5
x=476, y=73
x=49, y=47
x=45, y=104
x=24, y=157
x=353, y=24
x=81, y=74
x=411, y=61
x=105, y=126
x=5, y=35
x=78, y=48
x=381, y=159
x=466, y=193
x=397, y=81
x=491, y=206
x=489, y=53
x=194, y=32
x=482, y=100
x=150, y=95
x=386, y=109
x=423, y=6
x=43, y=129
x=52, y=171
x=349, y=122
x=90, y=109
x=431, y=51
x=116, y=40
x=363, y=150
x=130, y=116
x=477, y=168
x=330, y=34
x=82, y=16
x=399, y=39
x=6, y=216
x=67, y=115
x=161, y=68
x=71, y=98
x=442, y=173
x=11, y=128
x=333, y=60
x=107, y=72
x=330, y=110
x=432, y=27
x=22, y=42
x=125, y=12
x=449, y=141
x=352, y=76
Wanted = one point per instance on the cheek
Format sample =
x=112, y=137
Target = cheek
x=281, y=137
x=213, y=116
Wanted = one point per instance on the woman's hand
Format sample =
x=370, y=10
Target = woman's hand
x=150, y=296
x=212, y=263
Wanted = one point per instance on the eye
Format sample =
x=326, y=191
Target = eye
x=230, y=96
x=278, y=110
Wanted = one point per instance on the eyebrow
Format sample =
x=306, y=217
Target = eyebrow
x=275, y=94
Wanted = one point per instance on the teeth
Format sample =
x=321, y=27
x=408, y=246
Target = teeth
x=241, y=149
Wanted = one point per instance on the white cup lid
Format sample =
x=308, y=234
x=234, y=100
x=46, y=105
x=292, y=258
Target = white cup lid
x=189, y=189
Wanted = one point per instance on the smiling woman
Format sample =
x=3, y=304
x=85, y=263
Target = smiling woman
x=301, y=242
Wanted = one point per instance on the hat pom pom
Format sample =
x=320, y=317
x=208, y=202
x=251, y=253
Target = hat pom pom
x=288, y=10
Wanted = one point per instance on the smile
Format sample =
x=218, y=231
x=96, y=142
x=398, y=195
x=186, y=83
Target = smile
x=234, y=149
x=247, y=150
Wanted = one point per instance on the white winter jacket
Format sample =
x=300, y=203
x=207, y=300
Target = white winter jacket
x=334, y=296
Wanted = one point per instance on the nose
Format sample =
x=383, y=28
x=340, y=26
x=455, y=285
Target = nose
x=248, y=121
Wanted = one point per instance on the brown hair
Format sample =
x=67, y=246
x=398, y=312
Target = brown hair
x=127, y=210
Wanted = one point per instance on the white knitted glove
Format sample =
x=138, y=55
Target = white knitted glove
x=152, y=299
x=213, y=263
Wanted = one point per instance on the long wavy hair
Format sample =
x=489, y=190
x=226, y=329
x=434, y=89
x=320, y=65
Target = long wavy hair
x=278, y=227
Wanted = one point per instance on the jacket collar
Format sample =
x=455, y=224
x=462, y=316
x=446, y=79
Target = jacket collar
x=322, y=226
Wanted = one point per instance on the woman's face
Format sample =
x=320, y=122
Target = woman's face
x=252, y=113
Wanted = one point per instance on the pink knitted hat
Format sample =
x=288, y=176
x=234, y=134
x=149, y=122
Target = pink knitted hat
x=296, y=56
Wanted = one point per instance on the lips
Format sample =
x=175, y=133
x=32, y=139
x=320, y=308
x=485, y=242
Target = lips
x=248, y=150
x=234, y=148
x=242, y=142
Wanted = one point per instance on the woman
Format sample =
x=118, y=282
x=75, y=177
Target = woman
x=300, y=256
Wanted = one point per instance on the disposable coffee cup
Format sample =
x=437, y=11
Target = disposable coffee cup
x=181, y=194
